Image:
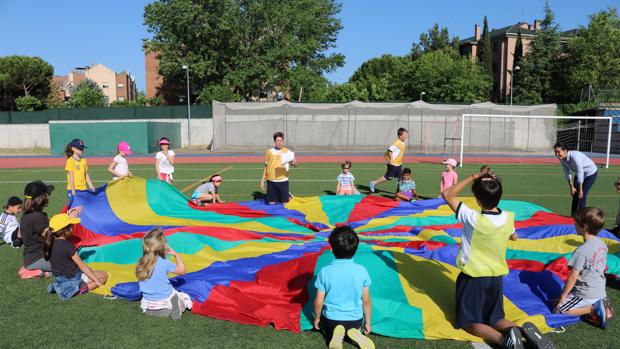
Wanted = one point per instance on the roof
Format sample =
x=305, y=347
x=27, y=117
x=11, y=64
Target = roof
x=505, y=31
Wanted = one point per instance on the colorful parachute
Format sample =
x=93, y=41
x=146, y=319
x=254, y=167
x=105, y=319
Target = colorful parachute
x=255, y=264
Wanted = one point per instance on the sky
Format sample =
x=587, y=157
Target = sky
x=74, y=33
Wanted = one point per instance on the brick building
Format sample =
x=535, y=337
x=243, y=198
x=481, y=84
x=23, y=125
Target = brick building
x=115, y=86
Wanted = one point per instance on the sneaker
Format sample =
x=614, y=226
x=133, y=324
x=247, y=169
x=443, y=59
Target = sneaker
x=512, y=339
x=609, y=310
x=337, y=338
x=372, y=186
x=176, y=311
x=358, y=337
x=599, y=313
x=535, y=338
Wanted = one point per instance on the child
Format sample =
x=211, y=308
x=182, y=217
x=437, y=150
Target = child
x=346, y=180
x=342, y=300
x=77, y=169
x=405, y=190
x=9, y=227
x=584, y=290
x=73, y=276
x=276, y=171
x=158, y=296
x=164, y=160
x=119, y=167
x=32, y=225
x=208, y=191
x=449, y=177
x=616, y=229
x=394, y=158
x=482, y=260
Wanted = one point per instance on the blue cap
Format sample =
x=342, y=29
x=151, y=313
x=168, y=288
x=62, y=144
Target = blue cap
x=77, y=143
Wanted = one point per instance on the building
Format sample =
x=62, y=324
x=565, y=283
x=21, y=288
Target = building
x=171, y=92
x=503, y=43
x=115, y=86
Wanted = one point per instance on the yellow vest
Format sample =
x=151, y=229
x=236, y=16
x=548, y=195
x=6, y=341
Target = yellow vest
x=276, y=171
x=398, y=159
x=79, y=169
x=487, y=253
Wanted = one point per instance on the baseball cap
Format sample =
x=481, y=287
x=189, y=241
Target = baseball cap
x=36, y=189
x=78, y=143
x=450, y=162
x=164, y=140
x=62, y=220
x=14, y=201
x=124, y=147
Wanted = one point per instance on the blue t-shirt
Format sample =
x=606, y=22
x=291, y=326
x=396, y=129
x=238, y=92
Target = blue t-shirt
x=343, y=281
x=158, y=287
x=406, y=186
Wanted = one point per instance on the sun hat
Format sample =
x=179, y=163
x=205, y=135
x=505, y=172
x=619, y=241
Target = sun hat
x=164, y=140
x=124, y=147
x=36, y=189
x=78, y=143
x=62, y=220
x=451, y=162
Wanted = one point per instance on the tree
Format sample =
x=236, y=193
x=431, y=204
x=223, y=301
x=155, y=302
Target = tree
x=485, y=49
x=252, y=46
x=28, y=103
x=23, y=76
x=308, y=86
x=433, y=40
x=384, y=78
x=346, y=92
x=217, y=93
x=518, y=55
x=87, y=94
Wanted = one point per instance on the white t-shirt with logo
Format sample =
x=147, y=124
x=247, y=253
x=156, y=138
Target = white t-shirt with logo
x=122, y=167
x=164, y=165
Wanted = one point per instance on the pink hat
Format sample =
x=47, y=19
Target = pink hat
x=164, y=140
x=124, y=147
x=451, y=162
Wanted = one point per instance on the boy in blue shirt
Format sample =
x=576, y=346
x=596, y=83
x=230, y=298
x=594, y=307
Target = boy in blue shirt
x=342, y=300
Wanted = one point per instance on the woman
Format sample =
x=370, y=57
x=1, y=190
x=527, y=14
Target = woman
x=585, y=174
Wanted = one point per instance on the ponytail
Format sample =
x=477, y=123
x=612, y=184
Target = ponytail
x=49, y=236
x=68, y=151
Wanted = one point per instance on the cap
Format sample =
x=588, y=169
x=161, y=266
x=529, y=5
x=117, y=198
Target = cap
x=451, y=162
x=124, y=147
x=62, y=220
x=164, y=140
x=14, y=201
x=36, y=189
x=77, y=143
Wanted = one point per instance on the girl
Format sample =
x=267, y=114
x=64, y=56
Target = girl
x=585, y=174
x=33, y=222
x=77, y=169
x=164, y=161
x=9, y=226
x=208, y=191
x=346, y=180
x=158, y=296
x=449, y=177
x=405, y=189
x=73, y=276
x=119, y=167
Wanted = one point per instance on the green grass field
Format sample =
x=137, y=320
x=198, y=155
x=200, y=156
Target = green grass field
x=32, y=318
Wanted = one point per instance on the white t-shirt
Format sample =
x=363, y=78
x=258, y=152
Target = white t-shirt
x=8, y=224
x=122, y=167
x=164, y=165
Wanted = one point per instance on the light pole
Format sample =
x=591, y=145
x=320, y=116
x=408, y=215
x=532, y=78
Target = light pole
x=512, y=77
x=189, y=109
x=422, y=94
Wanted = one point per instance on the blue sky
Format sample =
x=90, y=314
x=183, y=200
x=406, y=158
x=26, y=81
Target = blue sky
x=71, y=33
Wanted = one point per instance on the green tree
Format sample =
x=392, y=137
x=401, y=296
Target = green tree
x=217, y=93
x=28, y=103
x=23, y=76
x=384, y=78
x=485, y=49
x=87, y=94
x=307, y=86
x=347, y=92
x=433, y=40
x=518, y=55
x=249, y=45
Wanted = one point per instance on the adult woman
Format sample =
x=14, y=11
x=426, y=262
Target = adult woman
x=585, y=174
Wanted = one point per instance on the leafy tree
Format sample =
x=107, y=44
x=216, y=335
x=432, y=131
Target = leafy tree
x=518, y=55
x=122, y=104
x=307, y=85
x=23, y=76
x=485, y=49
x=384, y=78
x=28, y=103
x=347, y=92
x=87, y=94
x=252, y=46
x=433, y=40
x=217, y=93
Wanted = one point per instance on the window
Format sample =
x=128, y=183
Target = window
x=121, y=85
x=105, y=85
x=121, y=98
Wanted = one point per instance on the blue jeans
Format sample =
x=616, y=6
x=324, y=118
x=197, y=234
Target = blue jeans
x=577, y=204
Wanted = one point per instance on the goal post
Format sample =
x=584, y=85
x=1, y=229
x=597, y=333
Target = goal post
x=529, y=134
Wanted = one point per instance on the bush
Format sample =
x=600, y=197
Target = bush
x=28, y=103
x=218, y=93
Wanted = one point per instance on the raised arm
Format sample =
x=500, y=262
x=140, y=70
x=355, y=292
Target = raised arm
x=450, y=194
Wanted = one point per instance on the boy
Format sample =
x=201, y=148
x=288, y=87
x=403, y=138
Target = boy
x=394, y=158
x=405, y=190
x=342, y=300
x=9, y=227
x=482, y=260
x=584, y=290
x=276, y=172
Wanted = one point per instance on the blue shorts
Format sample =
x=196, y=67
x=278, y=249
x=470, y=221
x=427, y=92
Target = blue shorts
x=195, y=195
x=393, y=172
x=479, y=300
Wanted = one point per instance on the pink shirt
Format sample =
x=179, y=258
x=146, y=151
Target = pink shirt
x=448, y=179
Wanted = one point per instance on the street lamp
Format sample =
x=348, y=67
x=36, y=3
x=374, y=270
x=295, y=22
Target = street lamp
x=422, y=94
x=189, y=109
x=512, y=77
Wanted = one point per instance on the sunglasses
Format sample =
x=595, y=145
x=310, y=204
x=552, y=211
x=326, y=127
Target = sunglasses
x=346, y=168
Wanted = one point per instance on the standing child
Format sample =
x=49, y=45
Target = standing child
x=119, y=167
x=164, y=160
x=449, y=177
x=342, y=302
x=394, y=158
x=277, y=160
x=405, y=189
x=9, y=226
x=77, y=169
x=73, y=276
x=158, y=296
x=346, y=180
x=584, y=291
x=208, y=191
x=482, y=261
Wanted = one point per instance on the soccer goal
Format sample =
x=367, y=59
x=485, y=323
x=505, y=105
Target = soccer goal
x=534, y=136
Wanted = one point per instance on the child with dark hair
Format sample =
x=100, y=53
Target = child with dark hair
x=346, y=180
x=394, y=159
x=584, y=291
x=482, y=260
x=77, y=169
x=277, y=163
x=405, y=189
x=9, y=226
x=342, y=302
x=164, y=160
x=207, y=193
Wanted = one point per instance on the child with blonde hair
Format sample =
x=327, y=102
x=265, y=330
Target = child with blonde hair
x=346, y=180
x=158, y=296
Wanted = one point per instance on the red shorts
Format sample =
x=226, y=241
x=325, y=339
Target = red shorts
x=165, y=177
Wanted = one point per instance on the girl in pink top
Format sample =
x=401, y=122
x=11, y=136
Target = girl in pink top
x=449, y=176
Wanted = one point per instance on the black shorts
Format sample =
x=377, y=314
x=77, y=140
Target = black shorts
x=327, y=326
x=393, y=172
x=277, y=192
x=479, y=300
